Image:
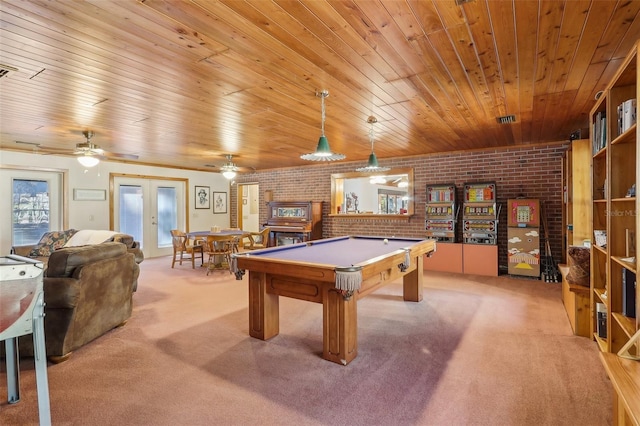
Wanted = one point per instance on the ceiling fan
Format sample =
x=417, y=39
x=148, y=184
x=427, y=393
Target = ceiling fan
x=88, y=153
x=229, y=169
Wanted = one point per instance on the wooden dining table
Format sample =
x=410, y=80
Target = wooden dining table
x=237, y=234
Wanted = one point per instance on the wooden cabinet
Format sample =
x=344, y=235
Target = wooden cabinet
x=614, y=208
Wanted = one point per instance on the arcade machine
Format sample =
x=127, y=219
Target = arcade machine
x=523, y=237
x=480, y=229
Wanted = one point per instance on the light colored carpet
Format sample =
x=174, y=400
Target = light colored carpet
x=476, y=351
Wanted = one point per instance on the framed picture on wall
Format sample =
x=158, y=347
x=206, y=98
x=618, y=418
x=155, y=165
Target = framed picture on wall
x=202, y=197
x=219, y=202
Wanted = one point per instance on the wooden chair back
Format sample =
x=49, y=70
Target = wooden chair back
x=258, y=240
x=183, y=249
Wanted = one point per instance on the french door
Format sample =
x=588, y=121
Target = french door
x=149, y=209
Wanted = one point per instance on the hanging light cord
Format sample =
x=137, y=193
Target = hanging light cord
x=371, y=137
x=371, y=120
x=323, y=94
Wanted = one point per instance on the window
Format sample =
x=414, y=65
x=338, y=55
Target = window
x=30, y=210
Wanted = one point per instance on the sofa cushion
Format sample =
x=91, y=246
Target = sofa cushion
x=50, y=242
x=86, y=237
x=579, y=265
x=63, y=262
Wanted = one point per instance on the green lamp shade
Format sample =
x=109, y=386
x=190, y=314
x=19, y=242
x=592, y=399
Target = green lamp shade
x=323, y=152
x=372, y=165
x=323, y=147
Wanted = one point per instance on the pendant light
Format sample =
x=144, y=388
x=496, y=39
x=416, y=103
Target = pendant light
x=323, y=152
x=372, y=165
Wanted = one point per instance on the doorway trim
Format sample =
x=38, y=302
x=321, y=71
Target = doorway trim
x=239, y=201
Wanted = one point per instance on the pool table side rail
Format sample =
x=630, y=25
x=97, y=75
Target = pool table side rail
x=326, y=272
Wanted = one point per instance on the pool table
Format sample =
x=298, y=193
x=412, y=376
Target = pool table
x=335, y=272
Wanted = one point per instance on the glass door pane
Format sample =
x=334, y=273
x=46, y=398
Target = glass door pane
x=167, y=214
x=131, y=212
x=30, y=210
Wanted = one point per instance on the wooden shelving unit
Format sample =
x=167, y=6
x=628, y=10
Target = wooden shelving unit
x=577, y=224
x=615, y=166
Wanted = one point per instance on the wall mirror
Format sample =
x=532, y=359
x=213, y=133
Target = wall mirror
x=372, y=194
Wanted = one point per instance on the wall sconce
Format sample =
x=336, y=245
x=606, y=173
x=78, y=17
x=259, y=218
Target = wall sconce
x=268, y=196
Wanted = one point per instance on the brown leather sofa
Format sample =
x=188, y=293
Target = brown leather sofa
x=88, y=290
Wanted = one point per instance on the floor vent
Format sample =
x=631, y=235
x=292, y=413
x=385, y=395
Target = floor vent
x=506, y=119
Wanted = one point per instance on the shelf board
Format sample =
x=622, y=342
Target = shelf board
x=627, y=324
x=600, y=249
x=599, y=292
x=602, y=343
x=629, y=136
x=630, y=266
x=600, y=200
x=600, y=153
x=623, y=199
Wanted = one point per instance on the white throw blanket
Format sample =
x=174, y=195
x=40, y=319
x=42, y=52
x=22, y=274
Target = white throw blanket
x=89, y=236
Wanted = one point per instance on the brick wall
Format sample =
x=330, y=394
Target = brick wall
x=529, y=172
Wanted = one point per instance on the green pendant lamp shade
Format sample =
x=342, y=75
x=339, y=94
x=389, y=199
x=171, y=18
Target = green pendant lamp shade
x=322, y=152
x=372, y=165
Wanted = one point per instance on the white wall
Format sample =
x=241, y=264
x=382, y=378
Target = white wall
x=95, y=214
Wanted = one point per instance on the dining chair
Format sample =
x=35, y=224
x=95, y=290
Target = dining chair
x=219, y=249
x=258, y=240
x=184, y=249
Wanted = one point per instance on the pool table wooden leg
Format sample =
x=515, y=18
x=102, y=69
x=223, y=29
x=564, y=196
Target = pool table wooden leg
x=264, y=308
x=412, y=282
x=340, y=327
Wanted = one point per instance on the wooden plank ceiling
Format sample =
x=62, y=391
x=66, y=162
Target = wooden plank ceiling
x=184, y=83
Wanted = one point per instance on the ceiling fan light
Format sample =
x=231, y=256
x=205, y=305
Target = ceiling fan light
x=88, y=160
x=229, y=174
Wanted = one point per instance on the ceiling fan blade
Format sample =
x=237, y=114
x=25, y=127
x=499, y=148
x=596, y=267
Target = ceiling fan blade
x=107, y=154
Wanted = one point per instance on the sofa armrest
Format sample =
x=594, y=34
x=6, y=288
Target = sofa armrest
x=137, y=253
x=22, y=250
x=61, y=293
x=125, y=239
